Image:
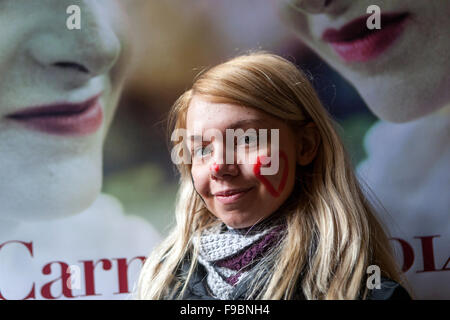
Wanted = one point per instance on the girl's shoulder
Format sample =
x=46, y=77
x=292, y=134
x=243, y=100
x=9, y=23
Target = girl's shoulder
x=389, y=290
x=196, y=287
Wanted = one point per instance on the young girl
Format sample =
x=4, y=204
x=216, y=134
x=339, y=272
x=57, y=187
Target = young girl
x=305, y=232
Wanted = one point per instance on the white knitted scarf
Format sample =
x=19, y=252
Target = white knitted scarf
x=218, y=243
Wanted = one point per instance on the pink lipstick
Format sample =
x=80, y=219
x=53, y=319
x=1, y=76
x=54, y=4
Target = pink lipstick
x=73, y=119
x=355, y=42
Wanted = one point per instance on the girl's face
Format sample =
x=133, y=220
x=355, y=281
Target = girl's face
x=58, y=92
x=237, y=193
x=401, y=70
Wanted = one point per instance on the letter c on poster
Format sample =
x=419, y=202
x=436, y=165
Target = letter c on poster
x=29, y=246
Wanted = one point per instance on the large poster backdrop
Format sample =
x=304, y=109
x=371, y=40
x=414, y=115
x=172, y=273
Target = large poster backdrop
x=84, y=199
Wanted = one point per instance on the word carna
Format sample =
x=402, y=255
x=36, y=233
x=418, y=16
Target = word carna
x=63, y=285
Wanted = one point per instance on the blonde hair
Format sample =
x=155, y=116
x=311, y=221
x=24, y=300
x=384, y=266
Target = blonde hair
x=332, y=233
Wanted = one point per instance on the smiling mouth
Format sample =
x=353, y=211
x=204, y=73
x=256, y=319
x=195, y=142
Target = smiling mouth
x=62, y=118
x=231, y=196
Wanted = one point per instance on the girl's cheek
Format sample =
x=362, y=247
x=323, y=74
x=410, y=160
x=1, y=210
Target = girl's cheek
x=200, y=180
x=274, y=184
x=246, y=157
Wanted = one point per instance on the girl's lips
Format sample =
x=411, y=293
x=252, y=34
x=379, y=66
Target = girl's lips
x=63, y=118
x=355, y=42
x=227, y=198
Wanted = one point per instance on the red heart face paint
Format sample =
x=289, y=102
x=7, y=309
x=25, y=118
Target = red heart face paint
x=275, y=192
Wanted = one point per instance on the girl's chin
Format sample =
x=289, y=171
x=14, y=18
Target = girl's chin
x=237, y=226
x=239, y=223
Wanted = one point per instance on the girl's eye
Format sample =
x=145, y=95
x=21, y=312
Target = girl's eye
x=202, y=151
x=249, y=140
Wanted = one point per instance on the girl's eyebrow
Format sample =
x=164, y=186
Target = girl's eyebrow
x=238, y=124
x=194, y=138
x=245, y=122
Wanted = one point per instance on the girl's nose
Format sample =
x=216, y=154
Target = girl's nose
x=221, y=171
x=79, y=55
